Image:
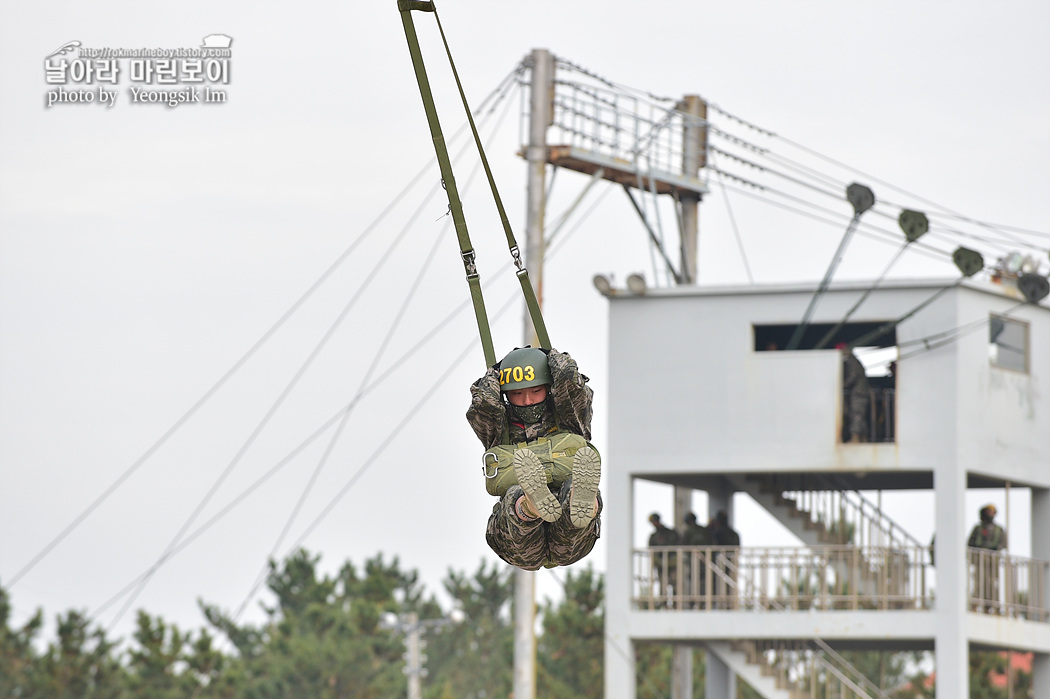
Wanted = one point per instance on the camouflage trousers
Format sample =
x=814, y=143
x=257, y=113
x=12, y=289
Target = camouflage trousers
x=535, y=543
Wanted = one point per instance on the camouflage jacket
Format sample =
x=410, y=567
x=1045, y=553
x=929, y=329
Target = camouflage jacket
x=568, y=405
x=696, y=535
x=724, y=535
x=664, y=536
x=987, y=536
x=854, y=377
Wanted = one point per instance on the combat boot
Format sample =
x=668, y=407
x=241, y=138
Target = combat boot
x=586, y=474
x=532, y=477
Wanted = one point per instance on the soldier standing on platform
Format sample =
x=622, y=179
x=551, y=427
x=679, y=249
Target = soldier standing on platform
x=991, y=537
x=858, y=395
x=695, y=563
x=665, y=565
x=723, y=535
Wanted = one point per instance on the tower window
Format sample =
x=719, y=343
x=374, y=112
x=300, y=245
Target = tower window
x=1008, y=343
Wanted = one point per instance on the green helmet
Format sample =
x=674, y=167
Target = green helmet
x=524, y=367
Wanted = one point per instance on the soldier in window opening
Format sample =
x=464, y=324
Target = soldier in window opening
x=989, y=536
x=532, y=411
x=858, y=395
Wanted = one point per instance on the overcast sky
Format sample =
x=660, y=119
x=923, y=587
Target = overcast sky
x=145, y=249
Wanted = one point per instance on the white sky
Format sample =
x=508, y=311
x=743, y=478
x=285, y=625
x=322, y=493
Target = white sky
x=144, y=250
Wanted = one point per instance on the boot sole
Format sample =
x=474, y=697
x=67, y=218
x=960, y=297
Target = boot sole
x=586, y=474
x=532, y=478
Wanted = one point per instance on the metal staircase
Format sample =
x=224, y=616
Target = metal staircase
x=834, y=516
x=829, y=514
x=829, y=517
x=795, y=670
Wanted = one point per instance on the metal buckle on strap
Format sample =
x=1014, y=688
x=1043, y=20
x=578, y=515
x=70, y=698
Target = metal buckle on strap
x=468, y=262
x=485, y=464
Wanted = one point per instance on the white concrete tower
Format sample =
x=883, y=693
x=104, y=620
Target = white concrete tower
x=698, y=398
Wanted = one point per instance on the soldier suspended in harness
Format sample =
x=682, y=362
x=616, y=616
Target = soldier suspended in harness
x=539, y=462
x=532, y=412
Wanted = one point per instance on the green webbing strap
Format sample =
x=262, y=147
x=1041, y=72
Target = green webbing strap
x=523, y=275
x=534, y=309
x=447, y=177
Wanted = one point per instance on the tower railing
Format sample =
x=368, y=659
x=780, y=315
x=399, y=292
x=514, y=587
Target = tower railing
x=600, y=117
x=828, y=578
x=781, y=578
x=1007, y=585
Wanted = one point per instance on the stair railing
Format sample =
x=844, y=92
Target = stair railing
x=846, y=515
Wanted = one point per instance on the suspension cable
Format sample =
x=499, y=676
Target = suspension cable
x=416, y=284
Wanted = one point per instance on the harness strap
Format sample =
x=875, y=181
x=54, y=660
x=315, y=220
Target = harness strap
x=405, y=7
x=448, y=179
x=515, y=253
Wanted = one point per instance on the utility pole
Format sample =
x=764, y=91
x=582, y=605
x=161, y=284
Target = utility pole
x=540, y=117
x=410, y=625
x=694, y=157
x=694, y=152
x=589, y=158
x=414, y=656
x=541, y=114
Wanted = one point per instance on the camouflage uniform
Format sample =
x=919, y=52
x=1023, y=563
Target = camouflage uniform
x=665, y=563
x=990, y=536
x=535, y=543
x=695, y=535
x=725, y=560
x=855, y=383
x=724, y=535
x=568, y=405
x=663, y=536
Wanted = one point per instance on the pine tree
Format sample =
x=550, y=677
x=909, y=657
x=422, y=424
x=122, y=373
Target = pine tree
x=17, y=659
x=571, y=649
x=474, y=659
x=82, y=663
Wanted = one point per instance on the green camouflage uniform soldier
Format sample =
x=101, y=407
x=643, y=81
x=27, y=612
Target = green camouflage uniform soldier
x=665, y=563
x=532, y=412
x=723, y=535
x=990, y=536
x=987, y=534
x=695, y=535
x=858, y=392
